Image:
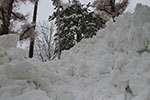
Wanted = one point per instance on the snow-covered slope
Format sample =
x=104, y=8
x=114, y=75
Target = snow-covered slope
x=114, y=65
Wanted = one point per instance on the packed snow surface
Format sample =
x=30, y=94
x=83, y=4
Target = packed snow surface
x=114, y=65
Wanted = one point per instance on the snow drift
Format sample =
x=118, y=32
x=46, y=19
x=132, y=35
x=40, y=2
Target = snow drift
x=114, y=65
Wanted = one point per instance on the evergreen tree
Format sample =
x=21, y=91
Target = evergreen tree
x=57, y=4
x=76, y=22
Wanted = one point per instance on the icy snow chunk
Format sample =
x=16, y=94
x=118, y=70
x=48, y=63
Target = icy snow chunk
x=3, y=56
x=13, y=88
x=142, y=97
x=8, y=50
x=9, y=41
x=31, y=95
x=3, y=78
x=8, y=55
x=22, y=70
x=138, y=85
x=16, y=54
x=120, y=97
x=65, y=95
x=107, y=63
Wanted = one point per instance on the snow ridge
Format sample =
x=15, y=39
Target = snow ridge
x=114, y=65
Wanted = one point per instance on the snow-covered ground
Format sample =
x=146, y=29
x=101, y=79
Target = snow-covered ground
x=114, y=65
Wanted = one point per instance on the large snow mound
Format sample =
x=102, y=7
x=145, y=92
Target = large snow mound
x=114, y=65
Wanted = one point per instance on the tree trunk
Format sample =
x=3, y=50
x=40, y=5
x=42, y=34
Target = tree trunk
x=113, y=9
x=31, y=49
x=112, y=4
x=7, y=7
x=58, y=37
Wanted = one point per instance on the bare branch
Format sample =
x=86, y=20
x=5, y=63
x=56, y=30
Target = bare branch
x=110, y=9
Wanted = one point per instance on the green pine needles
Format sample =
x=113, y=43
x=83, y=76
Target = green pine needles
x=75, y=23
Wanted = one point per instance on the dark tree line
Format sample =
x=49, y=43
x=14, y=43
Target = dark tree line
x=73, y=24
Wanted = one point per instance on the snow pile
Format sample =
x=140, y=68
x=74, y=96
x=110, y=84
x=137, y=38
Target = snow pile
x=7, y=50
x=114, y=65
x=18, y=77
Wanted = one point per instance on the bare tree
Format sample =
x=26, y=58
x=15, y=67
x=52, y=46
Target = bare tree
x=44, y=43
x=7, y=13
x=109, y=9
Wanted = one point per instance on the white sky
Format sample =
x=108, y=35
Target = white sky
x=45, y=7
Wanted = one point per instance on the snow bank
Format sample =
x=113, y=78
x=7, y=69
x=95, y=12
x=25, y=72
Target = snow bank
x=114, y=65
x=19, y=78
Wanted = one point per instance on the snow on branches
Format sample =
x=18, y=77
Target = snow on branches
x=7, y=13
x=109, y=9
